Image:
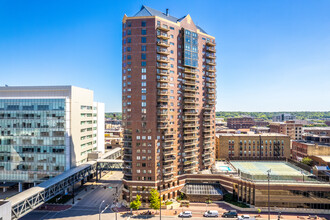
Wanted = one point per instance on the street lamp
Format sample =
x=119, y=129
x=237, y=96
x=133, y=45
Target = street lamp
x=268, y=176
x=100, y=209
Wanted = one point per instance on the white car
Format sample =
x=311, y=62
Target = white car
x=244, y=217
x=186, y=214
x=211, y=213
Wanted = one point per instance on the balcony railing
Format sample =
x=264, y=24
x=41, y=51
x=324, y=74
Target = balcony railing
x=163, y=51
x=163, y=43
x=162, y=35
x=163, y=66
x=162, y=59
x=163, y=27
x=211, y=49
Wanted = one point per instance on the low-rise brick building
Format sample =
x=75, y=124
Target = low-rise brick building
x=241, y=122
x=290, y=128
x=301, y=149
x=252, y=146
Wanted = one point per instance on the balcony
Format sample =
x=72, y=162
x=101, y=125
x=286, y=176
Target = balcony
x=189, y=89
x=168, y=165
x=163, y=27
x=191, y=161
x=190, y=143
x=162, y=72
x=212, y=80
x=189, y=82
x=162, y=86
x=162, y=93
x=163, y=66
x=170, y=133
x=211, y=101
x=169, y=158
x=208, y=135
x=190, y=155
x=168, y=152
x=210, y=74
x=163, y=112
x=162, y=99
x=211, y=91
x=188, y=70
x=163, y=35
x=190, y=112
x=209, y=43
x=211, y=63
x=190, y=105
x=162, y=43
x=190, y=149
x=162, y=126
x=169, y=139
x=207, y=113
x=163, y=51
x=162, y=59
x=189, y=76
x=190, y=131
x=167, y=179
x=210, y=56
x=162, y=106
x=210, y=49
x=163, y=79
x=191, y=118
x=189, y=94
x=189, y=125
x=209, y=69
x=207, y=146
x=189, y=100
x=207, y=124
x=162, y=119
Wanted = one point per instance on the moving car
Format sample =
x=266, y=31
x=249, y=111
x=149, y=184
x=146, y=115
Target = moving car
x=211, y=213
x=186, y=214
x=230, y=214
x=244, y=217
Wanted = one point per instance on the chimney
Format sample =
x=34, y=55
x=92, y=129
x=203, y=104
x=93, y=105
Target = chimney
x=167, y=12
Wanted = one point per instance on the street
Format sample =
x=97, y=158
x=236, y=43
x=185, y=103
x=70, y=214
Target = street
x=87, y=203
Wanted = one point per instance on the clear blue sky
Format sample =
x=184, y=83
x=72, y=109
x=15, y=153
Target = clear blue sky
x=272, y=55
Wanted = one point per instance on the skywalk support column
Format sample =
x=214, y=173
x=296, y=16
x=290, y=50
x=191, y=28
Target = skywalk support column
x=20, y=187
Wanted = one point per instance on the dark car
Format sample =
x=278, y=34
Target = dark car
x=230, y=214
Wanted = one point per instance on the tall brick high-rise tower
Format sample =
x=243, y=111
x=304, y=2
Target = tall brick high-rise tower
x=168, y=102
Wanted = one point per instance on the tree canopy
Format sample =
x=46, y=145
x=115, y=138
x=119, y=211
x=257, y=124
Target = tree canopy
x=135, y=204
x=154, y=199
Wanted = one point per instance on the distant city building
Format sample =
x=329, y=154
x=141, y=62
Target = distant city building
x=317, y=134
x=46, y=130
x=241, y=122
x=283, y=117
x=169, y=96
x=259, y=130
x=261, y=123
x=252, y=146
x=327, y=123
x=289, y=128
x=113, y=138
x=301, y=149
x=111, y=123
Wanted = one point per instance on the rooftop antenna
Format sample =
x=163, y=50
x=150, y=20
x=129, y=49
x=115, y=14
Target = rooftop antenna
x=167, y=12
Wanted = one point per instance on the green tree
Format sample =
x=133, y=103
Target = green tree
x=307, y=161
x=154, y=199
x=135, y=204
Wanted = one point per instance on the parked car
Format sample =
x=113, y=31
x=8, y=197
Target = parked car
x=186, y=214
x=230, y=214
x=211, y=213
x=244, y=217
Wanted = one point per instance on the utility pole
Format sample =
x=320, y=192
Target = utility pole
x=268, y=171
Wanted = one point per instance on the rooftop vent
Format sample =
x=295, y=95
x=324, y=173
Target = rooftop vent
x=167, y=12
